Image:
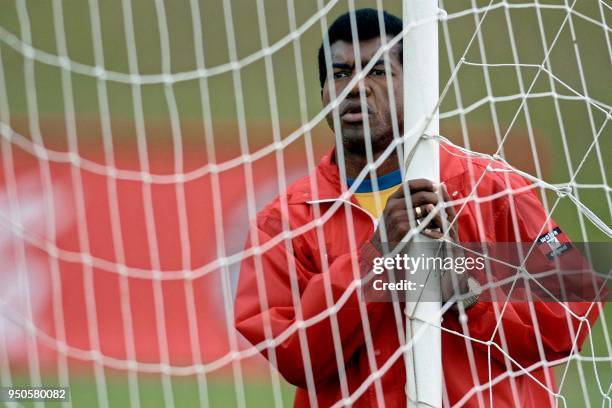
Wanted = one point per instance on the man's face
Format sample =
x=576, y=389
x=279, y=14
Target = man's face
x=377, y=96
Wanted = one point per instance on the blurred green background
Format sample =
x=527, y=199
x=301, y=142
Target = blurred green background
x=580, y=58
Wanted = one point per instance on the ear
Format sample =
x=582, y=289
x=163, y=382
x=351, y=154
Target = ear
x=322, y=92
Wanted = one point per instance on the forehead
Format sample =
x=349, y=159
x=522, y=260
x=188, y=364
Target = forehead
x=342, y=52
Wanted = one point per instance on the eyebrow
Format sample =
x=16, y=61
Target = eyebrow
x=339, y=65
x=379, y=62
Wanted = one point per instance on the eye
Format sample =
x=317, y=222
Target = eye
x=341, y=74
x=378, y=72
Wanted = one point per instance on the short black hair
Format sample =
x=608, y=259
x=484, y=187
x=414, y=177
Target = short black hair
x=368, y=27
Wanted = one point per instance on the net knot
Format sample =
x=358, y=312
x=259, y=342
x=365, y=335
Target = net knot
x=564, y=191
x=167, y=79
x=29, y=52
x=100, y=72
x=64, y=62
x=95, y=355
x=442, y=14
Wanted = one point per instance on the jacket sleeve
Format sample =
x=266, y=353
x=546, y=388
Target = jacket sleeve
x=287, y=307
x=523, y=322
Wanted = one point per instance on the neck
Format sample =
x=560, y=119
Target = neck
x=355, y=162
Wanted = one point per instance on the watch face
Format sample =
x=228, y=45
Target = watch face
x=474, y=286
x=475, y=290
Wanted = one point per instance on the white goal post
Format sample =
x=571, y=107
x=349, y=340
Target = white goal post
x=139, y=139
x=420, y=52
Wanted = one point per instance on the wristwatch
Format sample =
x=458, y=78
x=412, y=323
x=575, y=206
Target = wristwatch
x=474, y=290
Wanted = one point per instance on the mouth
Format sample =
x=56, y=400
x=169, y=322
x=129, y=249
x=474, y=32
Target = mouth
x=353, y=114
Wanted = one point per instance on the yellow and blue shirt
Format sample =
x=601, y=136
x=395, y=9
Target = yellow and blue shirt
x=367, y=197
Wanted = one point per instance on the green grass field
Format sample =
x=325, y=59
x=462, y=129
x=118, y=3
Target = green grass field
x=221, y=391
x=590, y=383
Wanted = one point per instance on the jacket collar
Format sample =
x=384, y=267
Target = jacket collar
x=330, y=186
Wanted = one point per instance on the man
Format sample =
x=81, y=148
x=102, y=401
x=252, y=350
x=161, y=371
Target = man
x=298, y=278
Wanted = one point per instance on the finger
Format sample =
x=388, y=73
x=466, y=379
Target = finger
x=431, y=233
x=414, y=186
x=437, y=220
x=418, y=213
x=424, y=198
x=421, y=211
x=421, y=198
x=417, y=185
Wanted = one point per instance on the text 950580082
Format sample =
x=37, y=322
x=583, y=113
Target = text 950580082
x=16, y=394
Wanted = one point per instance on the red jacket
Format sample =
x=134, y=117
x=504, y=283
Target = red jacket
x=300, y=263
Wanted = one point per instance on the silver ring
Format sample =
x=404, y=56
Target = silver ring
x=418, y=212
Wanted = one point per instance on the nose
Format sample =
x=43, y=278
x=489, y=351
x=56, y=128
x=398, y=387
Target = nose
x=354, y=93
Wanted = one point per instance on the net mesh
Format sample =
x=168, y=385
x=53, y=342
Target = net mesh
x=139, y=138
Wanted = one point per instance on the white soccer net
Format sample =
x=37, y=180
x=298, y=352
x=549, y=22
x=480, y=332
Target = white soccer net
x=139, y=138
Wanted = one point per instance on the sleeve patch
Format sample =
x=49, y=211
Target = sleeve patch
x=556, y=247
